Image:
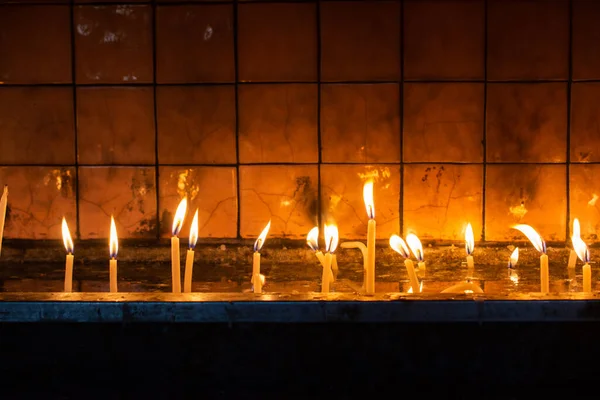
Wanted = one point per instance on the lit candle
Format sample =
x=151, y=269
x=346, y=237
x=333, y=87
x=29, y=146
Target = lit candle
x=175, y=257
x=331, y=242
x=371, y=228
x=469, y=245
x=114, y=249
x=417, y=249
x=540, y=246
x=3, y=202
x=189, y=257
x=312, y=240
x=69, y=262
x=257, y=279
x=583, y=252
x=576, y=235
x=512, y=263
x=398, y=245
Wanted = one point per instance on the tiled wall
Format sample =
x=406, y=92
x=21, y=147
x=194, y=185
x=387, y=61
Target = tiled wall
x=473, y=110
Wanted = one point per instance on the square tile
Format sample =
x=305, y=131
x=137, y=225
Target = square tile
x=38, y=198
x=194, y=44
x=585, y=122
x=528, y=39
x=113, y=44
x=196, y=124
x=211, y=190
x=36, y=125
x=278, y=123
x=527, y=122
x=525, y=194
x=360, y=41
x=35, y=43
x=360, y=123
x=444, y=39
x=277, y=42
x=115, y=125
x=586, y=36
x=443, y=122
x=584, y=194
x=285, y=194
x=128, y=193
x=342, y=199
x=441, y=199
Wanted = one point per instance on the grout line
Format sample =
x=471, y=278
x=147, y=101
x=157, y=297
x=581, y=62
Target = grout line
x=237, y=119
x=401, y=125
x=484, y=127
x=154, y=87
x=75, y=129
x=568, y=139
x=319, y=134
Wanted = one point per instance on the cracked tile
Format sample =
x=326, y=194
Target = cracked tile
x=440, y=199
x=211, y=190
x=360, y=123
x=584, y=195
x=286, y=194
x=525, y=194
x=585, y=122
x=342, y=198
x=278, y=123
x=128, y=193
x=38, y=198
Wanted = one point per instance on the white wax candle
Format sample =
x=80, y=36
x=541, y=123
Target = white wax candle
x=320, y=256
x=256, y=281
x=175, y=265
x=113, y=275
x=572, y=259
x=544, y=278
x=3, y=202
x=69, y=273
x=414, y=281
x=326, y=276
x=189, y=267
x=587, y=278
x=370, y=273
x=421, y=265
x=470, y=262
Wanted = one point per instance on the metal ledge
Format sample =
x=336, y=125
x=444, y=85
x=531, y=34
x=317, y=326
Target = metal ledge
x=302, y=308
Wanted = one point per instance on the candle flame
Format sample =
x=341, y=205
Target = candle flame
x=67, y=237
x=114, y=242
x=533, y=237
x=582, y=250
x=261, y=239
x=399, y=246
x=514, y=257
x=368, y=198
x=576, y=228
x=415, y=246
x=312, y=239
x=331, y=238
x=179, y=216
x=469, y=239
x=194, y=231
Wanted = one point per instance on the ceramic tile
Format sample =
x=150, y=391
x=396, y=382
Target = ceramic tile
x=36, y=125
x=444, y=39
x=525, y=194
x=284, y=194
x=527, y=122
x=443, y=122
x=277, y=42
x=342, y=198
x=195, y=44
x=528, y=39
x=113, y=44
x=38, y=199
x=360, y=123
x=128, y=193
x=115, y=125
x=360, y=40
x=440, y=199
x=278, y=123
x=585, y=122
x=211, y=190
x=586, y=35
x=35, y=42
x=196, y=124
x=584, y=194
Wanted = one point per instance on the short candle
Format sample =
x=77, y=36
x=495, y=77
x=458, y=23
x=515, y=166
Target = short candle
x=189, y=257
x=399, y=246
x=540, y=246
x=469, y=246
x=114, y=249
x=175, y=257
x=257, y=279
x=68, y=242
x=417, y=249
x=576, y=235
x=583, y=252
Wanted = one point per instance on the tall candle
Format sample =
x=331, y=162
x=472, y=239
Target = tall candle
x=189, y=258
x=574, y=237
x=175, y=257
x=371, y=229
x=256, y=281
x=540, y=246
x=398, y=245
x=3, y=203
x=469, y=246
x=114, y=249
x=583, y=252
x=68, y=242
